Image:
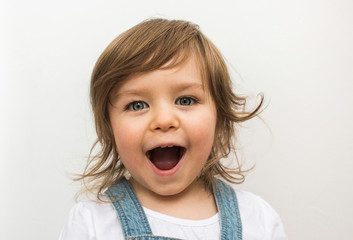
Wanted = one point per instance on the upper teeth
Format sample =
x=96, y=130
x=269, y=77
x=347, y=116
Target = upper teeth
x=167, y=146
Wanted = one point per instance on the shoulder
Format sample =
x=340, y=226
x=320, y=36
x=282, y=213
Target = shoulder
x=252, y=203
x=259, y=219
x=88, y=209
x=91, y=219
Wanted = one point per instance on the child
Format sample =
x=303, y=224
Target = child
x=165, y=113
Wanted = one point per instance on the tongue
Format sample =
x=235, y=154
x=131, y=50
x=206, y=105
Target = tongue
x=165, y=158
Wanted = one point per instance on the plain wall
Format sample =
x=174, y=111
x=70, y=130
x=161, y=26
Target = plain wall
x=298, y=53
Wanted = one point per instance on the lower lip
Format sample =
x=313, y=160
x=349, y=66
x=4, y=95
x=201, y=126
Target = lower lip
x=170, y=172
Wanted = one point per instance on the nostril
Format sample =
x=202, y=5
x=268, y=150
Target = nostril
x=165, y=128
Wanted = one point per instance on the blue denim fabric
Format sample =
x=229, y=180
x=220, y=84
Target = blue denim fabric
x=135, y=224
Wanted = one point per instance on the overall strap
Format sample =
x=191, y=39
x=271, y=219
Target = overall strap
x=131, y=215
x=227, y=204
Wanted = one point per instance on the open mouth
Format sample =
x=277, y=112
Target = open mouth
x=165, y=158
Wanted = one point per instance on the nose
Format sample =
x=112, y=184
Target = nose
x=164, y=118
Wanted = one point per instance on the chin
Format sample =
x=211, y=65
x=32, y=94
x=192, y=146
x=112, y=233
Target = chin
x=168, y=193
x=170, y=190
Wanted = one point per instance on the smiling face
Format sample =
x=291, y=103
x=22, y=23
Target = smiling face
x=164, y=125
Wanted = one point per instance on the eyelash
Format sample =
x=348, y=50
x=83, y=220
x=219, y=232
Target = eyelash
x=192, y=99
x=130, y=106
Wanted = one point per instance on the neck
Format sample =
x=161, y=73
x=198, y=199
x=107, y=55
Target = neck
x=195, y=202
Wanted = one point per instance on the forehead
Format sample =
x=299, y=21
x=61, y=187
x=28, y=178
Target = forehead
x=186, y=74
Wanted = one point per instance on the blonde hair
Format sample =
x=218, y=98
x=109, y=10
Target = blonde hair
x=145, y=47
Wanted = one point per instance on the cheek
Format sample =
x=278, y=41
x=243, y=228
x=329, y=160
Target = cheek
x=203, y=133
x=126, y=138
x=205, y=137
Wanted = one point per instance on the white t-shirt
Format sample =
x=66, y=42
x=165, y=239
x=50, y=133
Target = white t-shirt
x=99, y=221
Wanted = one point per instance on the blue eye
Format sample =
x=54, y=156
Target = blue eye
x=137, y=106
x=185, y=101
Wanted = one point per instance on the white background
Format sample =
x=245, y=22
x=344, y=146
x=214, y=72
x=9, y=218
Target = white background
x=298, y=53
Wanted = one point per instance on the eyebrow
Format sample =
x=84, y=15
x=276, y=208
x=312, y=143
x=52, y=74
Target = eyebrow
x=176, y=87
x=184, y=86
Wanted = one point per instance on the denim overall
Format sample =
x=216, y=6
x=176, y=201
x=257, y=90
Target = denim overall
x=135, y=225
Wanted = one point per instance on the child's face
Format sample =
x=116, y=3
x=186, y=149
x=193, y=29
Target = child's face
x=164, y=125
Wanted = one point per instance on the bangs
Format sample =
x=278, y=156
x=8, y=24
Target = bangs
x=164, y=58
